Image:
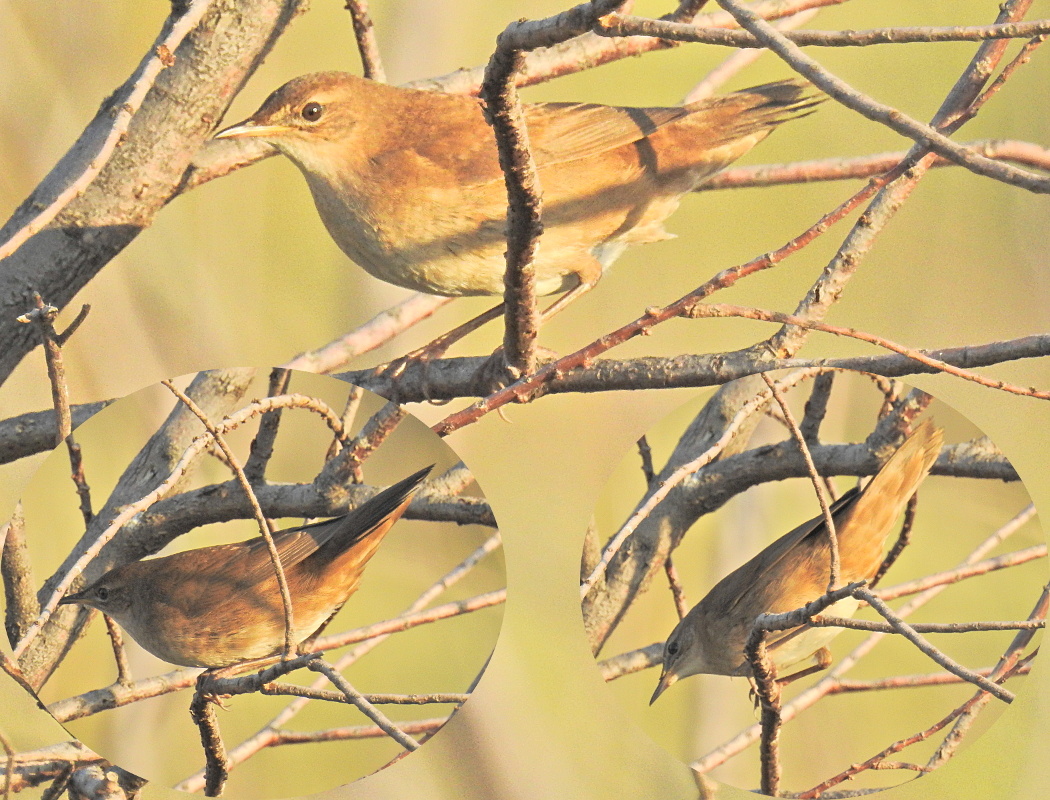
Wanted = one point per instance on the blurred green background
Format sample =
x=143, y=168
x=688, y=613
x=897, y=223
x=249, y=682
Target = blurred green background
x=242, y=272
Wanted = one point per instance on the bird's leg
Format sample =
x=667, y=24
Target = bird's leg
x=440, y=345
x=822, y=660
x=573, y=294
x=494, y=373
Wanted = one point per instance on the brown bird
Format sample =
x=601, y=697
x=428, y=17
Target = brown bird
x=217, y=606
x=409, y=185
x=793, y=571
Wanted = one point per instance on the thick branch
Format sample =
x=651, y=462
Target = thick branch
x=177, y=113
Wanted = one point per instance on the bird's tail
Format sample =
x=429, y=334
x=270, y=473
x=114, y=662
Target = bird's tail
x=885, y=496
x=376, y=516
x=758, y=110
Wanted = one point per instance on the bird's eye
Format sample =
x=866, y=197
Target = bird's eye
x=312, y=112
x=102, y=593
x=672, y=648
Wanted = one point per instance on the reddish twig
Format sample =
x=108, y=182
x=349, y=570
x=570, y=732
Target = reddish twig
x=701, y=310
x=925, y=135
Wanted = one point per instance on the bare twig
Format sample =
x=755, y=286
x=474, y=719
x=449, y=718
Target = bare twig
x=647, y=460
x=627, y=25
x=815, y=479
x=701, y=310
x=838, y=89
x=836, y=169
x=903, y=538
x=346, y=465
x=909, y=632
x=217, y=768
x=367, y=46
x=383, y=327
x=43, y=316
x=366, y=708
x=120, y=655
x=677, y=592
x=157, y=59
x=265, y=527
x=262, y=445
x=505, y=114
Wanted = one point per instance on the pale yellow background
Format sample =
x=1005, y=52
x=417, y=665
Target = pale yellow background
x=954, y=515
x=241, y=272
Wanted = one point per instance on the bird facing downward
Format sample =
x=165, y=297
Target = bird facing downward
x=409, y=186
x=217, y=606
x=794, y=570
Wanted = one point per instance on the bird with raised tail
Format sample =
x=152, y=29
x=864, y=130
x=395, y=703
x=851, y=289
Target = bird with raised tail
x=221, y=605
x=793, y=571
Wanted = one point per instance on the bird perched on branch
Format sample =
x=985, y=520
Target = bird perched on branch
x=221, y=605
x=409, y=185
x=793, y=571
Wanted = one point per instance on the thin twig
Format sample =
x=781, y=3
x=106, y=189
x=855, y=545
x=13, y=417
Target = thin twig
x=677, y=592
x=379, y=330
x=159, y=57
x=261, y=450
x=43, y=316
x=265, y=528
x=925, y=627
x=903, y=539
x=814, y=476
x=366, y=708
x=504, y=112
x=629, y=25
x=120, y=655
x=646, y=455
x=367, y=46
x=714, y=310
x=909, y=632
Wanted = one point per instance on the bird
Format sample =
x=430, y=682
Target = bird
x=409, y=186
x=219, y=606
x=793, y=571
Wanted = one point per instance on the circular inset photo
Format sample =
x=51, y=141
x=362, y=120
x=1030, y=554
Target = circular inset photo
x=814, y=581
x=255, y=584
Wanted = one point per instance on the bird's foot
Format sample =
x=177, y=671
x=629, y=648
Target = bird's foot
x=423, y=357
x=496, y=374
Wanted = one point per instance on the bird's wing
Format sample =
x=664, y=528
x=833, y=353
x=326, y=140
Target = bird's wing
x=295, y=544
x=764, y=566
x=560, y=132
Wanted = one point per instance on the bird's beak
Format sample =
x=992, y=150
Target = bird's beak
x=243, y=130
x=69, y=599
x=666, y=679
